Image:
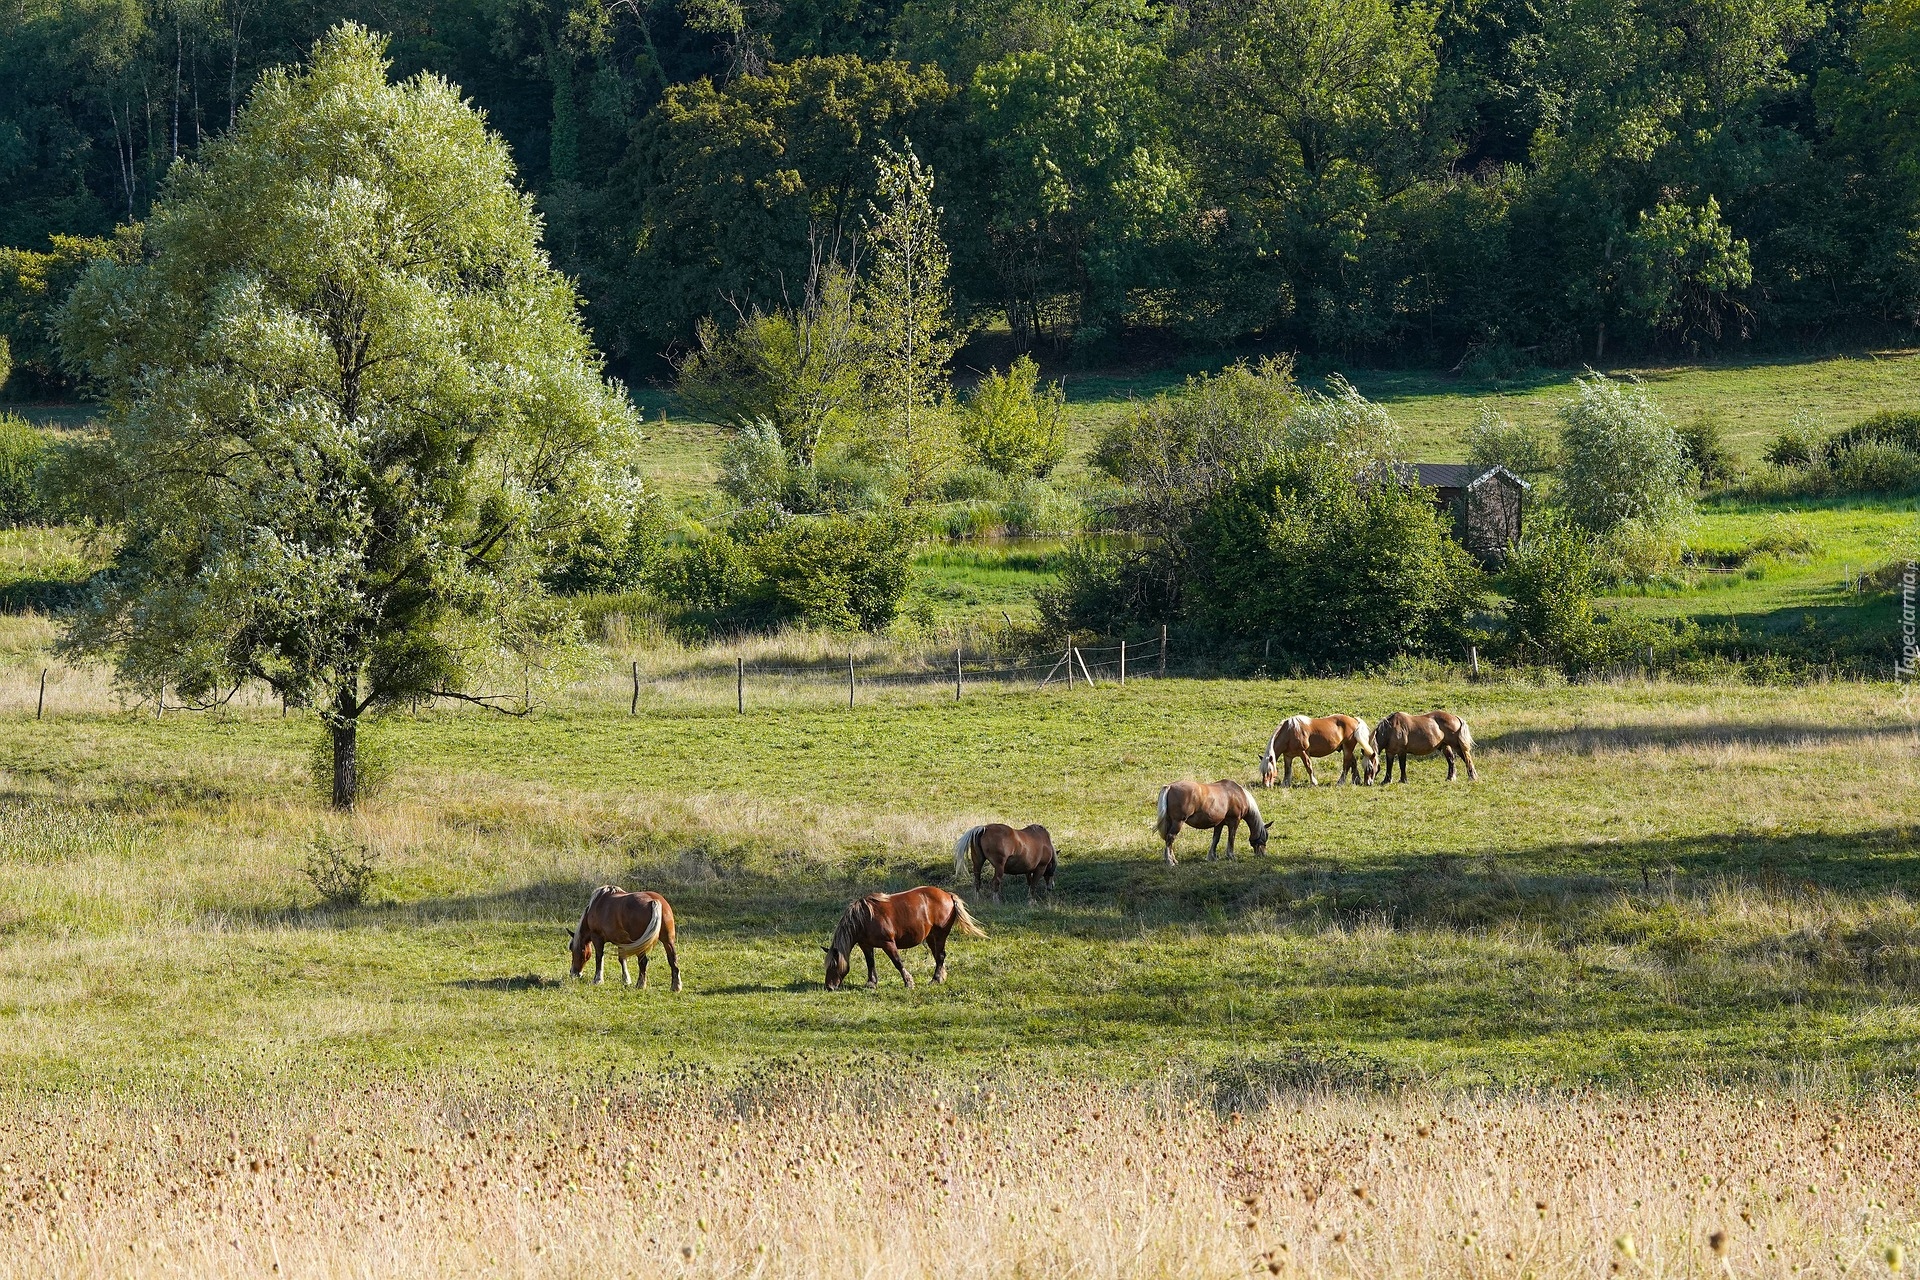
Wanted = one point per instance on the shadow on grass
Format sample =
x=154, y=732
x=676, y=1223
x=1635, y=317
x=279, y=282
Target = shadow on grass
x=519, y=982
x=1630, y=737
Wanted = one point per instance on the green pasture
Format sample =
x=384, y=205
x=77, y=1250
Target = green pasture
x=1648, y=882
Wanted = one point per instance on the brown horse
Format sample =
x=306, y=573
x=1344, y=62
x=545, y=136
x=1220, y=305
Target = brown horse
x=1404, y=734
x=891, y=921
x=1028, y=853
x=1305, y=738
x=1210, y=804
x=630, y=923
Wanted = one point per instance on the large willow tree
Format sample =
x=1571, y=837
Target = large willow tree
x=350, y=409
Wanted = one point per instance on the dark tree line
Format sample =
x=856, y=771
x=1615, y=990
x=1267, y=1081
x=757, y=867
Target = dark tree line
x=1495, y=181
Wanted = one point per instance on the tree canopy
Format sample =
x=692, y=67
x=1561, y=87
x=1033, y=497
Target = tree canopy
x=350, y=410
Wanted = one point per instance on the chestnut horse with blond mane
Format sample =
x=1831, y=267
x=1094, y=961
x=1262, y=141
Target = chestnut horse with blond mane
x=1204, y=805
x=1404, y=734
x=630, y=923
x=1307, y=738
x=1027, y=852
x=892, y=921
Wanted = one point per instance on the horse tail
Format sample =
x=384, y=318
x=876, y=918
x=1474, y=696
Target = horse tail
x=964, y=922
x=581, y=928
x=1160, y=823
x=652, y=934
x=1466, y=735
x=962, y=851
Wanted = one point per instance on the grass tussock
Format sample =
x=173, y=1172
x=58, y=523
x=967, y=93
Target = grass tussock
x=1065, y=1178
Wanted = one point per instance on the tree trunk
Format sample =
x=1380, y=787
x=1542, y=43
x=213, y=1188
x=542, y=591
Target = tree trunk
x=345, y=727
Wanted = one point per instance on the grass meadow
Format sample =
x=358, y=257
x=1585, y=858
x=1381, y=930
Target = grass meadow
x=1642, y=1001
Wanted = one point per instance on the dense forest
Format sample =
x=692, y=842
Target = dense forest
x=1507, y=182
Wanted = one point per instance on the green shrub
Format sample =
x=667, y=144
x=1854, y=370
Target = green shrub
x=619, y=557
x=974, y=482
x=709, y=574
x=1013, y=425
x=1529, y=451
x=1799, y=445
x=1889, y=426
x=1550, y=579
x=1874, y=466
x=1703, y=442
x=1621, y=459
x=24, y=453
x=754, y=466
x=340, y=871
x=836, y=571
x=1037, y=507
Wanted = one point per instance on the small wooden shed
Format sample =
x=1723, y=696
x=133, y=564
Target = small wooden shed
x=1486, y=504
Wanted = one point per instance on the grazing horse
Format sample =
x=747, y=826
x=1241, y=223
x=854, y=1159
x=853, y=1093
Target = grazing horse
x=891, y=921
x=1305, y=738
x=630, y=923
x=1027, y=852
x=1404, y=734
x=1210, y=804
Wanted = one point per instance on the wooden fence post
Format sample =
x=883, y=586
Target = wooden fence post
x=1473, y=659
x=956, y=673
x=41, y=710
x=1069, y=662
x=1123, y=664
x=1163, y=651
x=634, y=710
x=740, y=685
x=849, y=679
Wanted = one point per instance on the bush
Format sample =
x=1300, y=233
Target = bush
x=619, y=558
x=1622, y=459
x=1703, y=442
x=974, y=482
x=1037, y=507
x=1550, y=579
x=1527, y=451
x=1328, y=568
x=340, y=871
x=1874, y=466
x=755, y=468
x=24, y=453
x=1013, y=425
x=1889, y=426
x=837, y=571
x=1800, y=445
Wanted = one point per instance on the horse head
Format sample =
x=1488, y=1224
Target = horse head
x=577, y=947
x=838, y=962
x=1269, y=768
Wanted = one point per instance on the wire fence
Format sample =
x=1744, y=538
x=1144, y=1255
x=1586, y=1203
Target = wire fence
x=1072, y=666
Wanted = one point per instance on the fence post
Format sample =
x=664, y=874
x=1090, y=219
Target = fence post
x=1083, y=667
x=740, y=685
x=1069, y=661
x=1123, y=664
x=634, y=710
x=1163, y=651
x=41, y=710
x=1473, y=659
x=956, y=673
x=849, y=679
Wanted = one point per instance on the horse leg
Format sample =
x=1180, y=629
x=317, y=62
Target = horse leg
x=673, y=961
x=873, y=975
x=1214, y=850
x=937, y=943
x=626, y=979
x=1233, y=830
x=1287, y=781
x=1033, y=887
x=643, y=970
x=599, y=961
x=1447, y=752
x=893, y=954
x=999, y=880
x=1313, y=779
x=1468, y=757
x=1171, y=861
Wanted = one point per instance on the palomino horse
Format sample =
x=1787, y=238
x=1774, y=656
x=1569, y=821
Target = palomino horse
x=891, y=921
x=1028, y=853
x=1404, y=734
x=630, y=923
x=1305, y=738
x=1210, y=804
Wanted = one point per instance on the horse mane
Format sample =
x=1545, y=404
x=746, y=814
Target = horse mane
x=581, y=928
x=1254, y=820
x=1362, y=734
x=857, y=916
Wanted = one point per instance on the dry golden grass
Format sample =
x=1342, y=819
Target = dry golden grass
x=1074, y=1179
